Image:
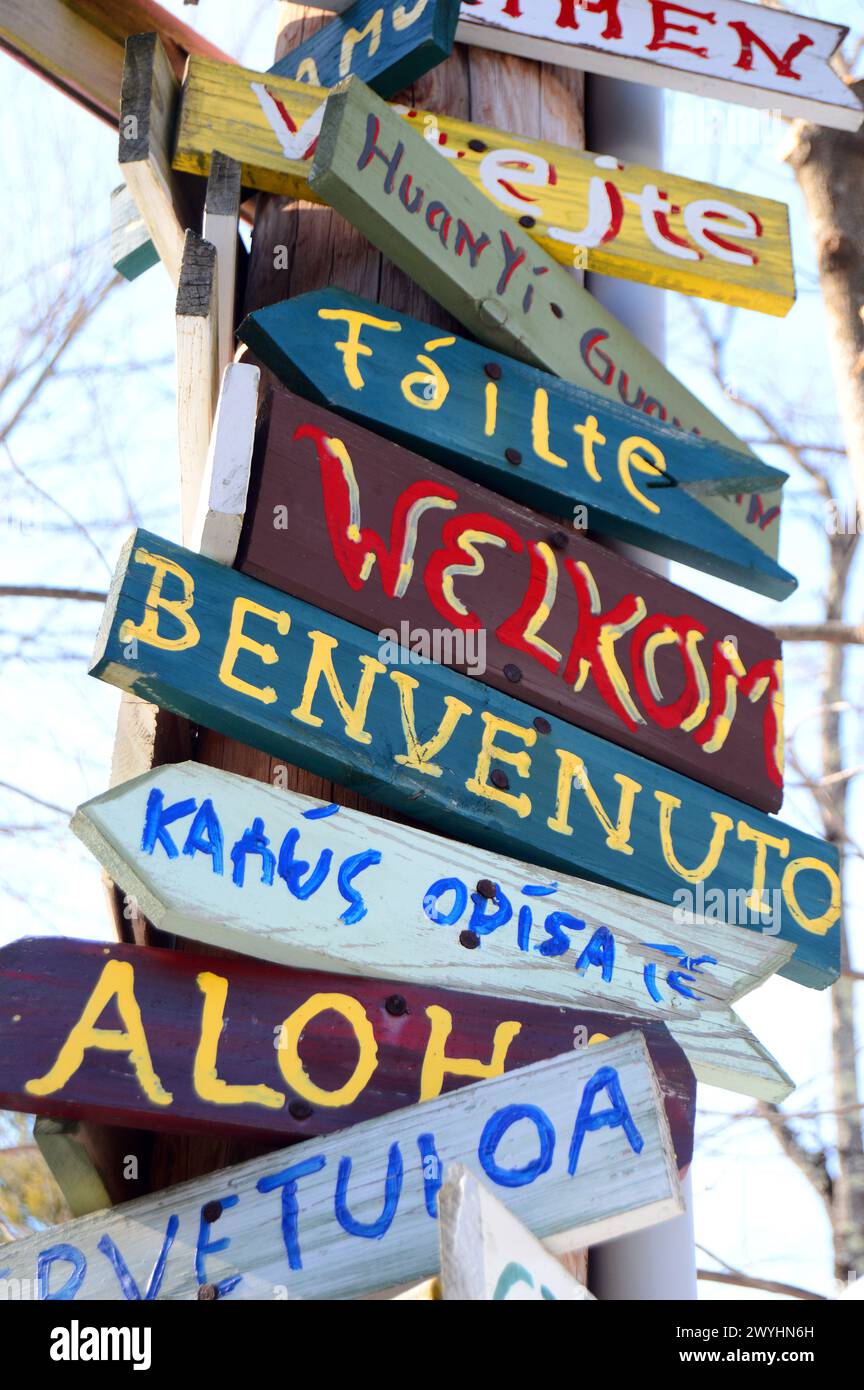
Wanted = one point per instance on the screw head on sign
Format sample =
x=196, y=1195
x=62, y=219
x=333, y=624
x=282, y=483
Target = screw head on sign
x=527, y=221
x=299, y=1109
x=542, y=725
x=513, y=456
x=492, y=370
x=211, y=1212
x=207, y=1293
x=469, y=939
x=500, y=780
x=558, y=540
x=512, y=672
x=486, y=888
x=478, y=146
x=396, y=1005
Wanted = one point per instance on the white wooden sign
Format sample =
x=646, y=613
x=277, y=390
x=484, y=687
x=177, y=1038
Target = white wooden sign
x=579, y=1143
x=227, y=468
x=234, y=863
x=729, y=49
x=488, y=1255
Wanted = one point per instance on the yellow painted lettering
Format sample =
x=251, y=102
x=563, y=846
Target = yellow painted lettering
x=818, y=925
x=321, y=664
x=418, y=756
x=540, y=430
x=239, y=641
x=491, y=420
x=352, y=37
x=204, y=1078
x=403, y=18
x=722, y=825
x=436, y=1063
x=591, y=439
x=571, y=769
x=630, y=459
x=762, y=841
x=288, y=1053
x=307, y=71
x=351, y=348
x=428, y=390
x=480, y=784
x=117, y=983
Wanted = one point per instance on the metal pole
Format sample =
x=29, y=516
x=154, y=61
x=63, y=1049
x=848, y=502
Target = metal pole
x=626, y=120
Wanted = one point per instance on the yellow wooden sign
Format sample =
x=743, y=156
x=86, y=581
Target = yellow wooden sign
x=585, y=210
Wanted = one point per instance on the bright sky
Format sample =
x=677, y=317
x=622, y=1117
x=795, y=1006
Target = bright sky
x=101, y=447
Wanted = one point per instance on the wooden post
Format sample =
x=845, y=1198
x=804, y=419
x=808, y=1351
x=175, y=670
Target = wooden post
x=302, y=247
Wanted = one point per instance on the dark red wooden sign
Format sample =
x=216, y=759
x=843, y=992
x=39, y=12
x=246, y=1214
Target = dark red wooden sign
x=165, y=1040
x=442, y=568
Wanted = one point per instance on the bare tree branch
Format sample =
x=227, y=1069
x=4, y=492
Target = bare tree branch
x=813, y=1165
x=849, y=634
x=746, y=1281
x=45, y=591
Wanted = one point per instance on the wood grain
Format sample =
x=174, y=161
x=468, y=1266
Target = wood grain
x=231, y=653
x=449, y=570
x=488, y=1256
x=387, y=44
x=529, y=435
x=252, y=1050
x=225, y=483
x=315, y=1244
x=725, y=54
x=357, y=895
x=197, y=369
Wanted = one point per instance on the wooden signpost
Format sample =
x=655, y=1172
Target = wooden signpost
x=386, y=43
x=235, y=1047
x=239, y=657
x=449, y=238
x=526, y=434
x=148, y=112
x=349, y=893
x=579, y=1143
x=492, y=589
x=587, y=210
x=730, y=49
x=487, y=1254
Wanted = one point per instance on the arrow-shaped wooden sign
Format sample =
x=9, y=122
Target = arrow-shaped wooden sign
x=349, y=893
x=489, y=1256
x=386, y=43
x=491, y=589
x=248, y=661
x=590, y=210
x=526, y=434
x=579, y=1143
x=237, y=1047
x=732, y=50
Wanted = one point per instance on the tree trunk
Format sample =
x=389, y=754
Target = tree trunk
x=829, y=167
